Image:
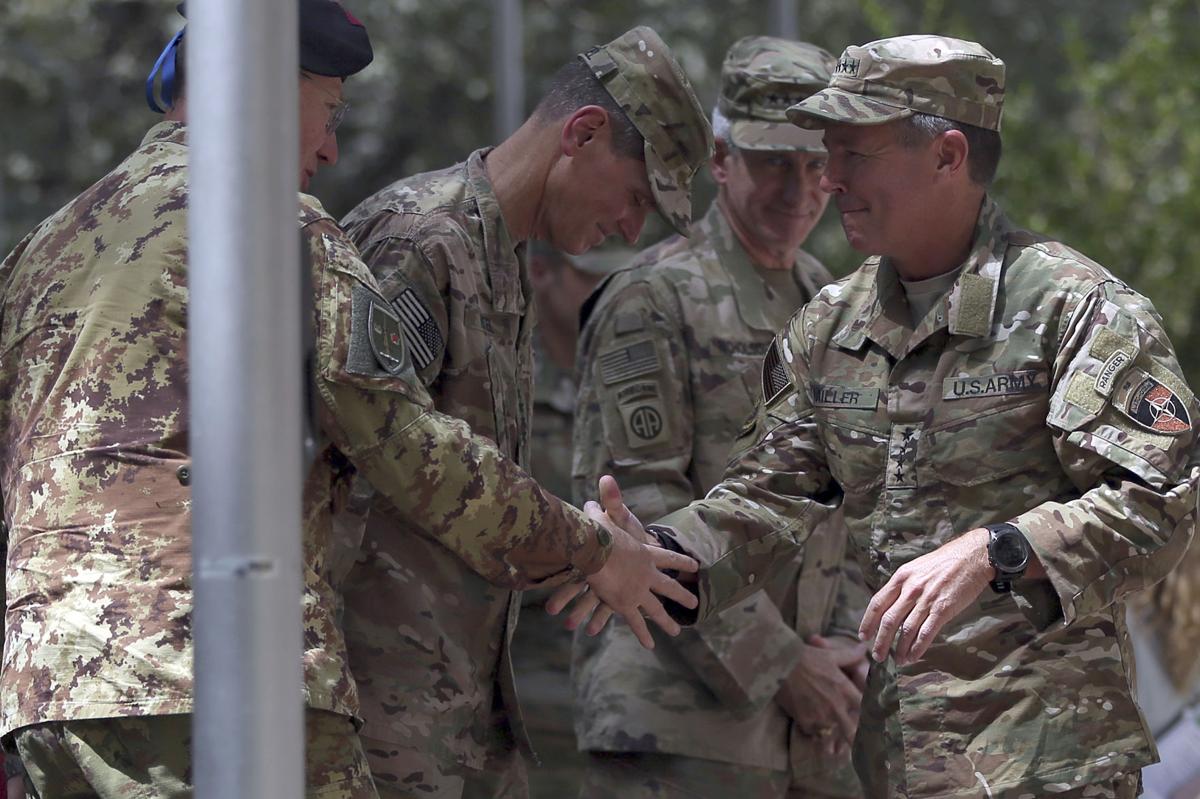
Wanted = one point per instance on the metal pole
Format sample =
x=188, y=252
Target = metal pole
x=246, y=395
x=785, y=20
x=508, y=66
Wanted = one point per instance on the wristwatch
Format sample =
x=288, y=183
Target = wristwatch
x=1008, y=554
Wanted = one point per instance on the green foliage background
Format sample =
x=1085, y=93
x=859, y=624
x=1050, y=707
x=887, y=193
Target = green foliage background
x=1101, y=129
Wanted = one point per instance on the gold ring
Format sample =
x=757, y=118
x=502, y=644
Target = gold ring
x=824, y=732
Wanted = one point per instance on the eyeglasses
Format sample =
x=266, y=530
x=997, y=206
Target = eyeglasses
x=337, y=111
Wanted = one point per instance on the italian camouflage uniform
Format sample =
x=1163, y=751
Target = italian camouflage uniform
x=439, y=698
x=1041, y=390
x=670, y=362
x=95, y=470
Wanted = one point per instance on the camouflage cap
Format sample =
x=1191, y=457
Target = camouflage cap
x=639, y=71
x=761, y=78
x=895, y=78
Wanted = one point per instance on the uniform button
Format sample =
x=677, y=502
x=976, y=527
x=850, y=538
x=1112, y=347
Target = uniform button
x=184, y=474
x=750, y=579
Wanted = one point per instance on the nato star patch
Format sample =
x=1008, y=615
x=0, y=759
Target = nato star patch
x=1158, y=408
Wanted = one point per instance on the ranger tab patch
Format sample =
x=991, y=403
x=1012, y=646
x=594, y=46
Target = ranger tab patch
x=421, y=332
x=1158, y=408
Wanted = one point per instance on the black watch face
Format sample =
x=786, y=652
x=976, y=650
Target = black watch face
x=1008, y=551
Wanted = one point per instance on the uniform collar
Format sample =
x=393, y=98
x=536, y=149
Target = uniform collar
x=172, y=132
x=757, y=306
x=968, y=309
x=505, y=258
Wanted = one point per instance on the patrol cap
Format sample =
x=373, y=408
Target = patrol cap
x=895, y=78
x=638, y=70
x=761, y=78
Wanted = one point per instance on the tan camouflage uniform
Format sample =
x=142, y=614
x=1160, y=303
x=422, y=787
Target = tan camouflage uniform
x=438, y=698
x=94, y=466
x=671, y=362
x=1040, y=390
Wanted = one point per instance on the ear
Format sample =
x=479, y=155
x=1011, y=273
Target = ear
x=951, y=150
x=582, y=127
x=719, y=165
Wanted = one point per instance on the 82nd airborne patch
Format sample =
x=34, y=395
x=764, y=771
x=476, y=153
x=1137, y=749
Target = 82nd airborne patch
x=1158, y=408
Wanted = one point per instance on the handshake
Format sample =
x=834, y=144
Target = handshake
x=628, y=582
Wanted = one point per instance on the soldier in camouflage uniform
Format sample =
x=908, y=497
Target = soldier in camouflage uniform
x=711, y=714
x=1021, y=420
x=541, y=651
x=619, y=132
x=94, y=468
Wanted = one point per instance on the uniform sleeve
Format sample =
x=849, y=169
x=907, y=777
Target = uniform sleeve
x=851, y=599
x=633, y=413
x=1123, y=420
x=743, y=654
x=777, y=487
x=416, y=284
x=446, y=482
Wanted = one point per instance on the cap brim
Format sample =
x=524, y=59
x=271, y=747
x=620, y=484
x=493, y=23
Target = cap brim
x=841, y=107
x=752, y=134
x=672, y=190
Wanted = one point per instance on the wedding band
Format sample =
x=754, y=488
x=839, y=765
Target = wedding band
x=824, y=732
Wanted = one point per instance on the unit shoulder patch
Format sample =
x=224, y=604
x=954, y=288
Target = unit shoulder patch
x=387, y=342
x=1156, y=407
x=645, y=422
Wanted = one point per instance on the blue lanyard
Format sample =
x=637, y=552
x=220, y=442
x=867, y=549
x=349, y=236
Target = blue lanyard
x=166, y=63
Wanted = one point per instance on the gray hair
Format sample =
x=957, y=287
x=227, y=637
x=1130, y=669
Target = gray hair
x=722, y=129
x=983, y=145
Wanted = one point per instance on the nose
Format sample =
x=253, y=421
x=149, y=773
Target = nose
x=830, y=182
x=328, y=153
x=631, y=224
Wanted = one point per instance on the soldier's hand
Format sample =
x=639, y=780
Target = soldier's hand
x=924, y=594
x=857, y=669
x=821, y=698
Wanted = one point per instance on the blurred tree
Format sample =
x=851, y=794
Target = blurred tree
x=1101, y=126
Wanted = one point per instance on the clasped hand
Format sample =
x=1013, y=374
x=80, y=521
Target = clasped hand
x=628, y=582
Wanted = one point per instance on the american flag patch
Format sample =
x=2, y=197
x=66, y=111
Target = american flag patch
x=421, y=332
x=626, y=362
x=775, y=374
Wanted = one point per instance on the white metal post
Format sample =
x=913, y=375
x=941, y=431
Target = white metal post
x=246, y=395
x=785, y=21
x=508, y=66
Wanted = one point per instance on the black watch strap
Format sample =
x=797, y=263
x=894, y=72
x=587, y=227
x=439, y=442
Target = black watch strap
x=1008, y=534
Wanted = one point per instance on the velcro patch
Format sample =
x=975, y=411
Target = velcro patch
x=776, y=378
x=1107, y=379
x=387, y=342
x=851, y=397
x=623, y=363
x=635, y=390
x=1156, y=407
x=645, y=423
x=626, y=323
x=996, y=385
x=421, y=332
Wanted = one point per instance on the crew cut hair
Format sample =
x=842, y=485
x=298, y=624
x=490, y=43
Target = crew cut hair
x=573, y=87
x=983, y=145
